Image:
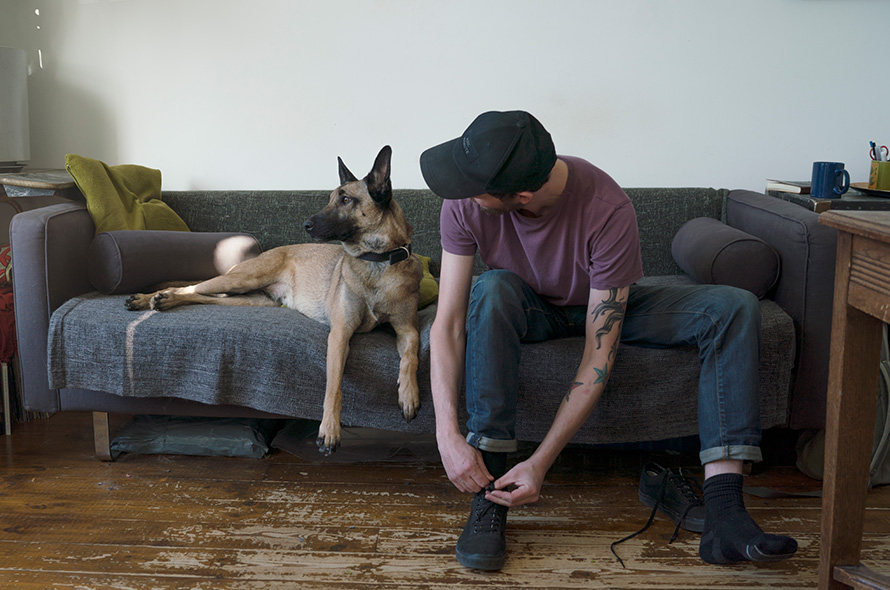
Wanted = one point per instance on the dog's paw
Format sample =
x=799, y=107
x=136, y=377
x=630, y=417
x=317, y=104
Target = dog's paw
x=328, y=434
x=410, y=409
x=161, y=301
x=138, y=302
x=409, y=398
x=327, y=444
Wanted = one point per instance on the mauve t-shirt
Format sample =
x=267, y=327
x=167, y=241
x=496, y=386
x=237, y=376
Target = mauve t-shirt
x=588, y=240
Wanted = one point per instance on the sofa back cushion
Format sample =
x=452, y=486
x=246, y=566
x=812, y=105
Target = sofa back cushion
x=660, y=214
x=276, y=217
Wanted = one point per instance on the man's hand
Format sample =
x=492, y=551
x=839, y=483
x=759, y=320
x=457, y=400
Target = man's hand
x=464, y=465
x=521, y=485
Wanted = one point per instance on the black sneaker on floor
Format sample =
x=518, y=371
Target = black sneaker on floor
x=675, y=493
x=483, y=545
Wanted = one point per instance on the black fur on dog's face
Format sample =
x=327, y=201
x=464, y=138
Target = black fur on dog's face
x=355, y=204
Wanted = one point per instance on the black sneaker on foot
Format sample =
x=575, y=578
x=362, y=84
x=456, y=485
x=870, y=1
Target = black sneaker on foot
x=483, y=545
x=675, y=494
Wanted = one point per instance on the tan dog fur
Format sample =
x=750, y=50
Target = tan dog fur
x=328, y=283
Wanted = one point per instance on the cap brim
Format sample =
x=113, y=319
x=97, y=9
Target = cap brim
x=442, y=175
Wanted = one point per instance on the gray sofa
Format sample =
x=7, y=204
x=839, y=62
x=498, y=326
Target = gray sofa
x=83, y=351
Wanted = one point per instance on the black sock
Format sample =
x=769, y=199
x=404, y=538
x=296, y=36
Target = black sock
x=496, y=463
x=730, y=534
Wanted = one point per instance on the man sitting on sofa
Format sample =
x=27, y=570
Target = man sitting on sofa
x=561, y=239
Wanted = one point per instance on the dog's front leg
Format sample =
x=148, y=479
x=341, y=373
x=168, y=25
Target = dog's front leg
x=408, y=344
x=338, y=349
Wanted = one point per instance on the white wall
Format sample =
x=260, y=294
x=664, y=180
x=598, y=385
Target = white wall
x=265, y=94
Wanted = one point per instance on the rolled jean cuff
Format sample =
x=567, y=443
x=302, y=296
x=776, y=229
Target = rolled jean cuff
x=492, y=445
x=731, y=452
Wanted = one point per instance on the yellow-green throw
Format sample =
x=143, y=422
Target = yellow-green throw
x=122, y=197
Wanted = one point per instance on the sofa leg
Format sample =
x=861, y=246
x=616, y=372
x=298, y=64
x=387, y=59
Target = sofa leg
x=7, y=417
x=102, y=436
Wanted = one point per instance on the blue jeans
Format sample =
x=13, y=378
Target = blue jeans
x=724, y=322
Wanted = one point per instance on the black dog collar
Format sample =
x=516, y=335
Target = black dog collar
x=393, y=256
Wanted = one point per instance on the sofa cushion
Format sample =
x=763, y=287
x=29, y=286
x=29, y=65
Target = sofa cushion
x=129, y=261
x=273, y=360
x=717, y=254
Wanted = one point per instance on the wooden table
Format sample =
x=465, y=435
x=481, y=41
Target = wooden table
x=861, y=306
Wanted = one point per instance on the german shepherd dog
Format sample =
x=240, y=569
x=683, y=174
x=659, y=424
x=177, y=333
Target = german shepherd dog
x=368, y=279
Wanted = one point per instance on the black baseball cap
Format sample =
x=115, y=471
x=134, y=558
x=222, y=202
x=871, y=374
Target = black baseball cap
x=501, y=152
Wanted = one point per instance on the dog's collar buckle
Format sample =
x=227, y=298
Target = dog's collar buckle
x=392, y=257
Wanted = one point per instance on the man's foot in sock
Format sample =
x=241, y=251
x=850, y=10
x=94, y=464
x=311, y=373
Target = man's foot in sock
x=730, y=534
x=737, y=537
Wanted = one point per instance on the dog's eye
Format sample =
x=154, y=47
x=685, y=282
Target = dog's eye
x=345, y=199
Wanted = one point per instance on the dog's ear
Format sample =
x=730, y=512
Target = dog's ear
x=379, y=185
x=345, y=174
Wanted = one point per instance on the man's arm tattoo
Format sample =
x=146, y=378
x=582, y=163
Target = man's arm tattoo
x=613, y=311
x=601, y=374
x=572, y=388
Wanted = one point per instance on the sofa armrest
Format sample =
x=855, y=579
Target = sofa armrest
x=49, y=257
x=805, y=289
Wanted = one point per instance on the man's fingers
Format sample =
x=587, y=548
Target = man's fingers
x=501, y=497
x=512, y=495
x=471, y=481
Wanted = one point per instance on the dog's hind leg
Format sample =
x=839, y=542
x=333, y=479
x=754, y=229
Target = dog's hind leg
x=408, y=344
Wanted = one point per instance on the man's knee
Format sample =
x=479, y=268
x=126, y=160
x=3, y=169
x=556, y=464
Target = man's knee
x=497, y=285
x=741, y=303
x=731, y=306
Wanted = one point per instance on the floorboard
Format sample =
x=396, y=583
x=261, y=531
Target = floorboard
x=161, y=522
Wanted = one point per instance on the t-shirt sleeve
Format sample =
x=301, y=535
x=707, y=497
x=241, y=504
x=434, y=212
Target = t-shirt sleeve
x=456, y=237
x=615, y=258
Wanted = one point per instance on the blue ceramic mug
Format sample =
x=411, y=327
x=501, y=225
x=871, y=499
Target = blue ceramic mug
x=830, y=180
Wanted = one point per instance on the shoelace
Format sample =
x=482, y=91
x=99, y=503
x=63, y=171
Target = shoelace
x=687, y=485
x=488, y=515
x=690, y=487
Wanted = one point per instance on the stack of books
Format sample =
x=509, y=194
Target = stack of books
x=800, y=187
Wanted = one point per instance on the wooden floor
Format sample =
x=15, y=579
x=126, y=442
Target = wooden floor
x=161, y=522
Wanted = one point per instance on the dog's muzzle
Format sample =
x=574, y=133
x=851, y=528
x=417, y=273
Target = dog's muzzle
x=323, y=229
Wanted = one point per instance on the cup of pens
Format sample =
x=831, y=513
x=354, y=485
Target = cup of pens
x=879, y=175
